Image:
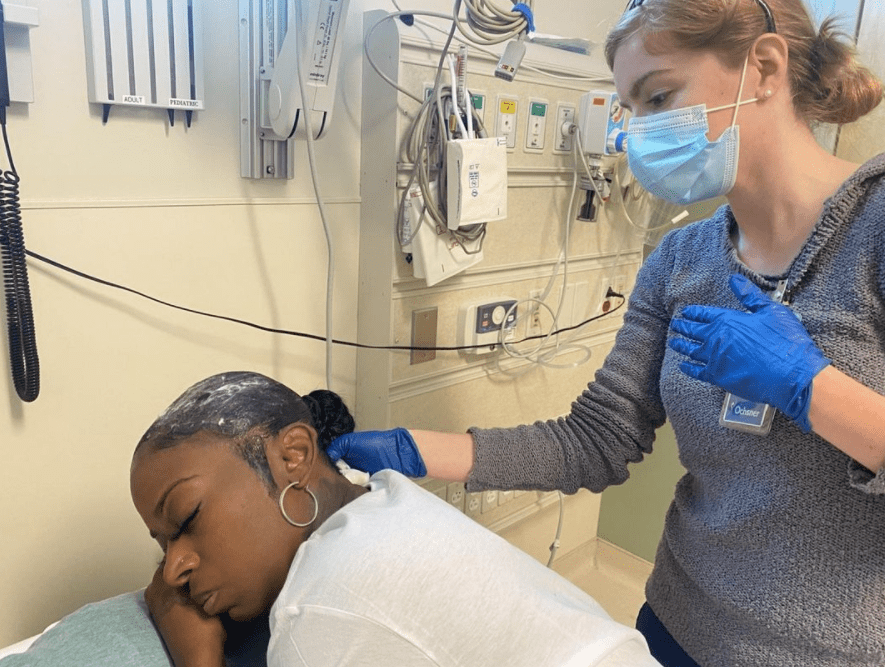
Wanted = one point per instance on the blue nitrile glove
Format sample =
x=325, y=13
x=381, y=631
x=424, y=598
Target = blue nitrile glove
x=372, y=451
x=763, y=356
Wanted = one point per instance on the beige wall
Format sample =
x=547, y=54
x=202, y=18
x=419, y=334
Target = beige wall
x=162, y=210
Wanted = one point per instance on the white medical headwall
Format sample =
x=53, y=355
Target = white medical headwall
x=144, y=53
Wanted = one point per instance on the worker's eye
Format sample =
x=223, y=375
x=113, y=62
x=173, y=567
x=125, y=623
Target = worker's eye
x=658, y=99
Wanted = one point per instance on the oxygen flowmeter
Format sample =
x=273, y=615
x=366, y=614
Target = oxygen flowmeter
x=600, y=122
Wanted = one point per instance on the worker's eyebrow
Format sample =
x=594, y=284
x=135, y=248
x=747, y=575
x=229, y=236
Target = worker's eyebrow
x=636, y=88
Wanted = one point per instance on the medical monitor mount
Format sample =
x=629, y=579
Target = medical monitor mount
x=274, y=36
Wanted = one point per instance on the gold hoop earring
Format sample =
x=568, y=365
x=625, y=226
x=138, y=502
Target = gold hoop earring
x=316, y=507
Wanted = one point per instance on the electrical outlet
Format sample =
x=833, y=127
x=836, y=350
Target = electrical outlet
x=489, y=501
x=456, y=495
x=533, y=324
x=604, y=303
x=618, y=284
x=473, y=504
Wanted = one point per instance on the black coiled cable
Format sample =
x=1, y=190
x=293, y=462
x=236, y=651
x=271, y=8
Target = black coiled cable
x=20, y=319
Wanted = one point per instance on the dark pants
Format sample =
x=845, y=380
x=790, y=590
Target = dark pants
x=663, y=647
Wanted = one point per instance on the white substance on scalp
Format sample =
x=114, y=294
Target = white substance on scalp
x=204, y=402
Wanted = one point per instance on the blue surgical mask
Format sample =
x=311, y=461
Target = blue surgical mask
x=670, y=155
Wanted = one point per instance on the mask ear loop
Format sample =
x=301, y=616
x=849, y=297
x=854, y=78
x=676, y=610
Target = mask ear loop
x=737, y=105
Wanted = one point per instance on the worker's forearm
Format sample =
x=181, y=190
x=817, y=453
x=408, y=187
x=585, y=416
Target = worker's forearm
x=849, y=416
x=447, y=456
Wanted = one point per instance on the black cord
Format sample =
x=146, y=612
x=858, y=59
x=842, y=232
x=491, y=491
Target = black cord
x=24, y=362
x=300, y=334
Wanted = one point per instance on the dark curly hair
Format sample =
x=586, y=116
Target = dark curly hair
x=245, y=409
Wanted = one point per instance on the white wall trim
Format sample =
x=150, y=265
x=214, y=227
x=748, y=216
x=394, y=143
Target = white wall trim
x=477, y=277
x=402, y=390
x=60, y=205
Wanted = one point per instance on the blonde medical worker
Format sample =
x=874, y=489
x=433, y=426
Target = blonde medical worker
x=773, y=551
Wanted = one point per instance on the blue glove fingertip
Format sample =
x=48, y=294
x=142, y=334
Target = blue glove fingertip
x=692, y=370
x=747, y=293
x=337, y=448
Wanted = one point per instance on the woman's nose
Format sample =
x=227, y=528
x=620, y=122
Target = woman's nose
x=180, y=565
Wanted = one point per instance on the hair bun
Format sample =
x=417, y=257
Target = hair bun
x=329, y=414
x=838, y=89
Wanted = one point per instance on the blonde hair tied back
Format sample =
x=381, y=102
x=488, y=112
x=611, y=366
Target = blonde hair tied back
x=827, y=82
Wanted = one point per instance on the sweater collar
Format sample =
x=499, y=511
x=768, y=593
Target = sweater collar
x=838, y=212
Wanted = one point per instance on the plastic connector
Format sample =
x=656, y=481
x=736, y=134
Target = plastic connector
x=510, y=60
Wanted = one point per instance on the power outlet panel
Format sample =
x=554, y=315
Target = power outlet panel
x=489, y=501
x=473, y=504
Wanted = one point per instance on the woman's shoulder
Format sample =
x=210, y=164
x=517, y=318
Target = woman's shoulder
x=697, y=242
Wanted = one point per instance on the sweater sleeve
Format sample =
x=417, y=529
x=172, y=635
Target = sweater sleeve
x=859, y=477
x=611, y=424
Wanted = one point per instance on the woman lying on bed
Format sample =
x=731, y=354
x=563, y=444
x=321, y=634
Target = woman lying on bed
x=233, y=483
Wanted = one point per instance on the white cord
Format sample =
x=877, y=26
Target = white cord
x=640, y=230
x=535, y=355
x=488, y=23
x=593, y=78
x=367, y=49
x=311, y=156
x=555, y=546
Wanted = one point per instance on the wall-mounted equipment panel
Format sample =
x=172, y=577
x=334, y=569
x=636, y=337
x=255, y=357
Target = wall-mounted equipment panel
x=271, y=60
x=144, y=53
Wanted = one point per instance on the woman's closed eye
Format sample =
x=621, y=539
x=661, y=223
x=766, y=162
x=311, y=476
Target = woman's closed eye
x=185, y=525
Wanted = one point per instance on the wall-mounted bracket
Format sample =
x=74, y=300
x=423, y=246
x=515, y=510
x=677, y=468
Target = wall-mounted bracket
x=18, y=20
x=271, y=108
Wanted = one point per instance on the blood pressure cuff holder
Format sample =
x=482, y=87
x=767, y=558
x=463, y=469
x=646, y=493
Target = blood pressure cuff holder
x=476, y=181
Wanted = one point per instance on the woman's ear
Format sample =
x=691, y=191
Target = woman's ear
x=770, y=57
x=292, y=454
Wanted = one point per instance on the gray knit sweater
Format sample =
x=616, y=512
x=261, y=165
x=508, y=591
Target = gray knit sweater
x=773, y=550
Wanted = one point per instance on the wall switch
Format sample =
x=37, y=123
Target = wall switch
x=424, y=334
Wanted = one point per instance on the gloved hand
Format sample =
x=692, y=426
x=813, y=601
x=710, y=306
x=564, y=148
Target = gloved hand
x=763, y=356
x=372, y=451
